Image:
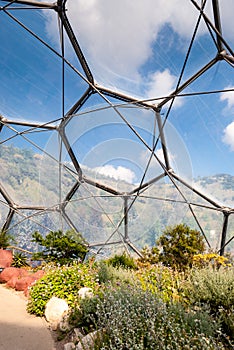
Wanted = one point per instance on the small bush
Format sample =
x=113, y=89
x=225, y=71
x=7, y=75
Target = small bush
x=62, y=282
x=107, y=274
x=5, y=239
x=162, y=281
x=84, y=316
x=149, y=256
x=123, y=260
x=213, y=260
x=178, y=246
x=60, y=247
x=214, y=288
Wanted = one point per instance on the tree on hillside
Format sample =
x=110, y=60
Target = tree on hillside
x=178, y=245
x=59, y=247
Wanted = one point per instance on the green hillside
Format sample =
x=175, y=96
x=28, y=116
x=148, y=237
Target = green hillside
x=33, y=180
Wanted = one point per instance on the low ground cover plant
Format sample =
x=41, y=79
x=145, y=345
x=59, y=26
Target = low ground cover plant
x=153, y=307
x=62, y=282
x=173, y=298
x=213, y=260
x=213, y=288
x=136, y=319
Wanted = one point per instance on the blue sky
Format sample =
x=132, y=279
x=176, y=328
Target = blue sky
x=138, y=48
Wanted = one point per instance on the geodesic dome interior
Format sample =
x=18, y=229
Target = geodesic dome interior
x=117, y=120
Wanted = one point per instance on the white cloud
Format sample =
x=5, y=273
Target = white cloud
x=228, y=132
x=117, y=37
x=228, y=97
x=160, y=155
x=226, y=12
x=119, y=173
x=161, y=84
x=228, y=136
x=121, y=34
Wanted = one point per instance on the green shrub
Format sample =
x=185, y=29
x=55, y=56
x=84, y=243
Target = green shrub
x=136, y=319
x=123, y=260
x=60, y=247
x=149, y=255
x=62, y=282
x=84, y=316
x=162, y=281
x=108, y=274
x=213, y=260
x=5, y=239
x=178, y=246
x=214, y=288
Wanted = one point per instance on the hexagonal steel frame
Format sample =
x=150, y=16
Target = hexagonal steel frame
x=224, y=52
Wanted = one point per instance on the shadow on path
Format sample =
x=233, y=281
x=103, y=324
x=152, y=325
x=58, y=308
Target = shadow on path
x=18, y=329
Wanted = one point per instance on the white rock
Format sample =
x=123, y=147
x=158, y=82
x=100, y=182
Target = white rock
x=85, y=292
x=69, y=346
x=87, y=342
x=77, y=335
x=55, y=309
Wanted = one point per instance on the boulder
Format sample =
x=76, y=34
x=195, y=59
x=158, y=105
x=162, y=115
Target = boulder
x=23, y=283
x=55, y=309
x=24, y=272
x=11, y=283
x=26, y=291
x=85, y=292
x=6, y=258
x=34, y=277
x=8, y=273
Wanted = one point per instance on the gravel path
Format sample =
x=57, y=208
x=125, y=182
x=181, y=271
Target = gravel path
x=18, y=329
